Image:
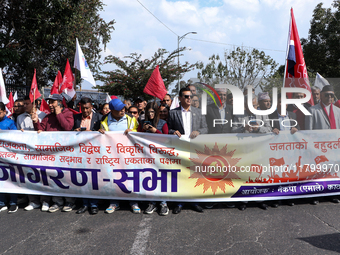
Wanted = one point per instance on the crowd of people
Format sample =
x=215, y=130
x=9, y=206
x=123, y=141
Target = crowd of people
x=184, y=119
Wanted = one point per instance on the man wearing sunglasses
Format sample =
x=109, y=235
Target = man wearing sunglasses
x=186, y=120
x=133, y=111
x=324, y=115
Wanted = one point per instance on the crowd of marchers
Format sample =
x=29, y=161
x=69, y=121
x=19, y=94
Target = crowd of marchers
x=184, y=119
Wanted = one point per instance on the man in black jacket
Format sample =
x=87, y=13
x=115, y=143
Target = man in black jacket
x=87, y=120
x=219, y=112
x=286, y=122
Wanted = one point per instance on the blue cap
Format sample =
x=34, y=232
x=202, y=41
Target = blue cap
x=116, y=104
x=55, y=97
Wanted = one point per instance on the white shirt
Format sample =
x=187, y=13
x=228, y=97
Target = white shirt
x=222, y=112
x=24, y=120
x=287, y=123
x=186, y=117
x=328, y=107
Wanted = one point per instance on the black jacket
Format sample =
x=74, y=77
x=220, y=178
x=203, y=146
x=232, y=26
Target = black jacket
x=213, y=113
x=95, y=122
x=276, y=124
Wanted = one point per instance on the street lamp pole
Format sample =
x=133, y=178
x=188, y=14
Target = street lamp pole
x=179, y=39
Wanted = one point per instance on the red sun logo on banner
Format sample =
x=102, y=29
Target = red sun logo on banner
x=214, y=168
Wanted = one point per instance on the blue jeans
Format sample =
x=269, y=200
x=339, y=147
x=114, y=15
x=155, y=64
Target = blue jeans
x=161, y=203
x=12, y=199
x=90, y=202
x=115, y=202
x=181, y=204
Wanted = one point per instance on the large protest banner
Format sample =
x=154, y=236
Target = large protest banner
x=141, y=166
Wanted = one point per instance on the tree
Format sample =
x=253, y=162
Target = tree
x=322, y=47
x=241, y=68
x=130, y=79
x=42, y=34
x=182, y=84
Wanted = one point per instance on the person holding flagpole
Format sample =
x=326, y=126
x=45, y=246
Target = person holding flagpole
x=60, y=119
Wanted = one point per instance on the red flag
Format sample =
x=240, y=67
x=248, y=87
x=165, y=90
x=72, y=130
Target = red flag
x=276, y=162
x=337, y=103
x=57, y=82
x=34, y=92
x=155, y=86
x=73, y=111
x=320, y=159
x=10, y=104
x=44, y=107
x=67, y=79
x=296, y=71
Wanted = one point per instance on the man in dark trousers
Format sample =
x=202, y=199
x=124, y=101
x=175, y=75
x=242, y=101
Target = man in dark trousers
x=87, y=120
x=188, y=121
x=283, y=123
x=324, y=115
x=60, y=119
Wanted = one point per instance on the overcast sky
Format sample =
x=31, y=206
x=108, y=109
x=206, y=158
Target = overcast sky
x=250, y=23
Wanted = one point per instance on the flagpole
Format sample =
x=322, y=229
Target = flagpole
x=34, y=110
x=35, y=73
x=287, y=50
x=75, y=77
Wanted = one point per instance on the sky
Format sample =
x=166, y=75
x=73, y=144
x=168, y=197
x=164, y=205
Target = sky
x=229, y=23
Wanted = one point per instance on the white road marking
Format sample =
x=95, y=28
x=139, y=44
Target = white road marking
x=141, y=239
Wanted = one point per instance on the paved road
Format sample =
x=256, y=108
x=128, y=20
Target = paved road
x=301, y=229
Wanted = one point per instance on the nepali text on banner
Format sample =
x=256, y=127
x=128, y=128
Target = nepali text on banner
x=154, y=167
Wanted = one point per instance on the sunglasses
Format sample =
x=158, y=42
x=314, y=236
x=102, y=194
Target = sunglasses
x=133, y=112
x=187, y=96
x=329, y=95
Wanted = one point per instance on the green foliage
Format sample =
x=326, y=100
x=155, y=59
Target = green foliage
x=322, y=47
x=131, y=77
x=240, y=68
x=42, y=34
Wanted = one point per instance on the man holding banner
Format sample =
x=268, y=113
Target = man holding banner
x=188, y=121
x=117, y=120
x=87, y=121
x=324, y=115
x=60, y=119
x=25, y=123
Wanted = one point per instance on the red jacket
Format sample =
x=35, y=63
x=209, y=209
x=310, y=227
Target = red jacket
x=62, y=122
